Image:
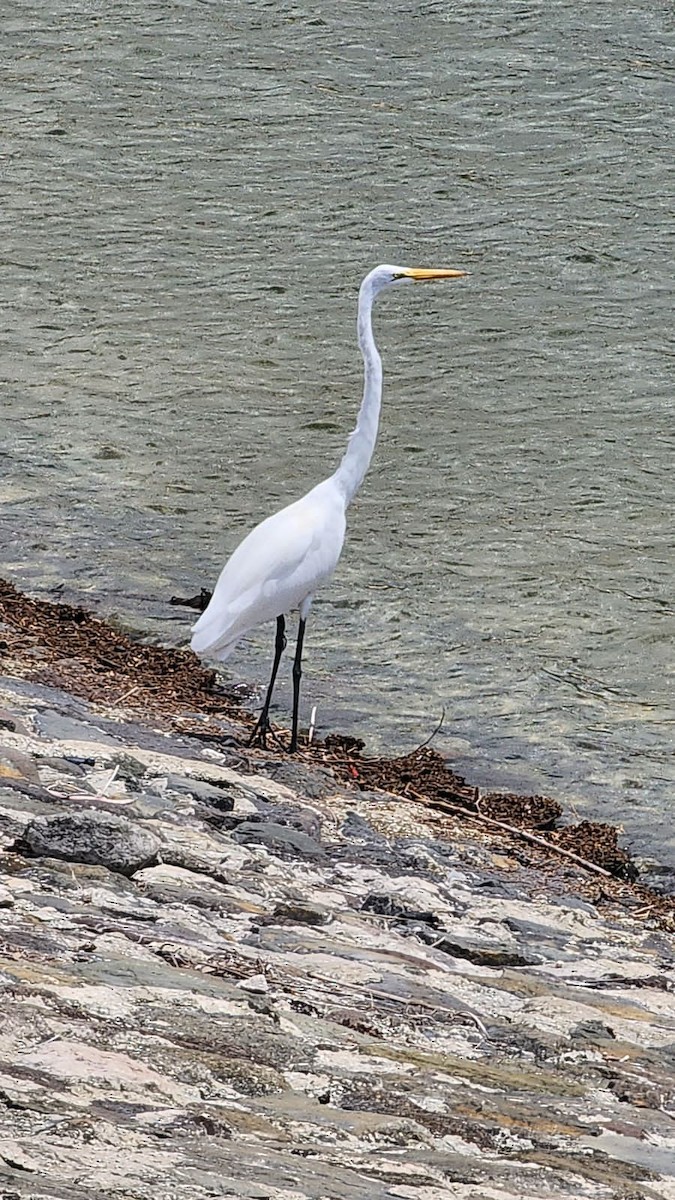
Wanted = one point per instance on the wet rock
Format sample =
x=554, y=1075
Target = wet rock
x=281, y=840
x=97, y=838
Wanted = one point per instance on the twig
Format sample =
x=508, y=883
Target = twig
x=432, y=735
x=109, y=782
x=200, y=601
x=445, y=806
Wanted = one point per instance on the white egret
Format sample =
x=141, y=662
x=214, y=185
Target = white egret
x=282, y=562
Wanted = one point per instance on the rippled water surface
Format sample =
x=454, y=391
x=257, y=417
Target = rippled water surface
x=192, y=194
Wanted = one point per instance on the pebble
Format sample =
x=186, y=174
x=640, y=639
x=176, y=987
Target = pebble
x=254, y=983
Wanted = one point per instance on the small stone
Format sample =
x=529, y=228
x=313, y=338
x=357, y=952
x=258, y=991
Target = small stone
x=593, y=1031
x=63, y=765
x=208, y=793
x=255, y=983
x=14, y=764
x=98, y=838
x=9, y=720
x=298, y=914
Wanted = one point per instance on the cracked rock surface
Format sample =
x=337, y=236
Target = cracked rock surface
x=259, y=986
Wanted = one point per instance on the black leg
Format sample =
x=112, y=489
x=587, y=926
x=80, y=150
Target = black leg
x=262, y=728
x=297, y=675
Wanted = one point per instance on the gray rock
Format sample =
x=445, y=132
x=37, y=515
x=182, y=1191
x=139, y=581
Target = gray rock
x=99, y=838
x=297, y=914
x=14, y=764
x=56, y=726
x=593, y=1031
x=64, y=765
x=305, y=819
x=148, y=805
x=481, y=955
x=208, y=793
x=281, y=840
x=313, y=784
x=250, y=1027
x=9, y=720
x=254, y=983
x=130, y=769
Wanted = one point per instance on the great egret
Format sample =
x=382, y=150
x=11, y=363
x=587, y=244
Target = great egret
x=282, y=562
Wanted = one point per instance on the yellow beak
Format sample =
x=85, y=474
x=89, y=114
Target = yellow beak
x=420, y=274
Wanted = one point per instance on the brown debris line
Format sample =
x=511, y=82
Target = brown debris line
x=530, y=812
x=420, y=774
x=68, y=647
x=424, y=776
x=598, y=842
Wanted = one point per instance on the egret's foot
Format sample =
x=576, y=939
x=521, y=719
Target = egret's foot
x=259, y=734
x=261, y=731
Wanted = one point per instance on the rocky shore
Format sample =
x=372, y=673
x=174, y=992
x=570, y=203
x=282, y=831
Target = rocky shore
x=229, y=973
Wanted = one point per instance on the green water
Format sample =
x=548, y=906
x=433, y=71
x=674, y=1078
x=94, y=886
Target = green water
x=192, y=193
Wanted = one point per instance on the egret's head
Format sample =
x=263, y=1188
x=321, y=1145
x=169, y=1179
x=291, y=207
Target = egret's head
x=385, y=276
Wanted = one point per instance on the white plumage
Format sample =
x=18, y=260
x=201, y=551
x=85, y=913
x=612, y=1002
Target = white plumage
x=281, y=563
x=276, y=569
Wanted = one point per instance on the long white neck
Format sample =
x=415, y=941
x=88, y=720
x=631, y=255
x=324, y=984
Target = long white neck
x=349, y=475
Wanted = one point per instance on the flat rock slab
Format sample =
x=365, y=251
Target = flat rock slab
x=325, y=1002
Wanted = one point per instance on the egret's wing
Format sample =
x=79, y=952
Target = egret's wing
x=281, y=562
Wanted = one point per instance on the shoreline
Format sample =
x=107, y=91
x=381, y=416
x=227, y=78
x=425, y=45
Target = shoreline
x=72, y=648
x=230, y=972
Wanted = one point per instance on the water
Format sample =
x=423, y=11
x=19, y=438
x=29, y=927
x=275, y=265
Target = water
x=192, y=192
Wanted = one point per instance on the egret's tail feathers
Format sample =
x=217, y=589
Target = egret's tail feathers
x=204, y=642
